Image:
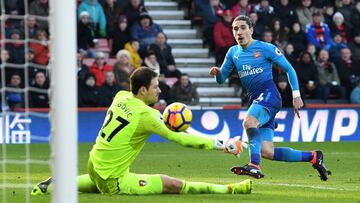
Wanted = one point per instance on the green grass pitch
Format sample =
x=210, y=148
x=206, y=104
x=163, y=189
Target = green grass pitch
x=283, y=182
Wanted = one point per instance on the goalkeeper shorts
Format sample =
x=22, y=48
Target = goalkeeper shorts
x=129, y=184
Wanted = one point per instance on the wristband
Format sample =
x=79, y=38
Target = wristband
x=295, y=93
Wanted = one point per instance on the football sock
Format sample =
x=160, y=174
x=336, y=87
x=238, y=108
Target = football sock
x=255, y=145
x=85, y=184
x=291, y=155
x=200, y=187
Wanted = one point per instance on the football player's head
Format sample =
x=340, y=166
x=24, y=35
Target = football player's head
x=242, y=28
x=144, y=85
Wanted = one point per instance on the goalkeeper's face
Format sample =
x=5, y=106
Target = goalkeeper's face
x=242, y=33
x=152, y=93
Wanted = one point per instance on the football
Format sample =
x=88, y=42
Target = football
x=177, y=117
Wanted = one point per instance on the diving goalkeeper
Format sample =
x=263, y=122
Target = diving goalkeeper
x=128, y=124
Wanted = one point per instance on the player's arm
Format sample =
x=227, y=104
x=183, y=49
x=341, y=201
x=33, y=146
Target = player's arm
x=291, y=73
x=154, y=124
x=287, y=67
x=222, y=73
x=276, y=56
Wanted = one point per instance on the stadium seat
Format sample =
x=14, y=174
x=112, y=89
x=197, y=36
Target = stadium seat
x=170, y=81
x=102, y=45
x=219, y=101
x=88, y=61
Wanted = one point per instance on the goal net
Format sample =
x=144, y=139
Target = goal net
x=38, y=98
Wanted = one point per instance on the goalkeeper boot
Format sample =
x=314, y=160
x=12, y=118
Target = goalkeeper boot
x=319, y=165
x=42, y=187
x=244, y=187
x=249, y=169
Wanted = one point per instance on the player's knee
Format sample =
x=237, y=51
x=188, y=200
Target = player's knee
x=177, y=184
x=171, y=185
x=250, y=122
x=267, y=152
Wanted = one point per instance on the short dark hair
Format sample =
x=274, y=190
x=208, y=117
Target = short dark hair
x=246, y=19
x=142, y=76
x=151, y=52
x=184, y=74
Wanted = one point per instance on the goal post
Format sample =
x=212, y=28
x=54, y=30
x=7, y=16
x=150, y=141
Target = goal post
x=62, y=22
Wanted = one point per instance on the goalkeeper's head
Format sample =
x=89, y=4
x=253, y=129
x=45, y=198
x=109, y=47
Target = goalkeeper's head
x=144, y=85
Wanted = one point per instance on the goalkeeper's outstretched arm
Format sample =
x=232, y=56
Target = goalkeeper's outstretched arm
x=154, y=125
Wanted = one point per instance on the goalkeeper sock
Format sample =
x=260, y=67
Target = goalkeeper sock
x=85, y=184
x=201, y=188
x=291, y=155
x=255, y=145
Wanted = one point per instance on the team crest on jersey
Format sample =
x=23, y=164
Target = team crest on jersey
x=257, y=54
x=278, y=52
x=142, y=183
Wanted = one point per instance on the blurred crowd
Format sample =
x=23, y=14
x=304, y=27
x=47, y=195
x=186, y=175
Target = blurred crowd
x=113, y=39
x=320, y=38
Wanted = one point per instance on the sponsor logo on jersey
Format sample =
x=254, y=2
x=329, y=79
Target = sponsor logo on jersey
x=253, y=71
x=257, y=54
x=278, y=52
x=235, y=57
x=142, y=183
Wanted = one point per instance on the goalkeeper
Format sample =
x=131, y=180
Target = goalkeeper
x=127, y=125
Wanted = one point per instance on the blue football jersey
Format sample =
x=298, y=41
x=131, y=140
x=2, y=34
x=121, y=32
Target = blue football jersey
x=254, y=66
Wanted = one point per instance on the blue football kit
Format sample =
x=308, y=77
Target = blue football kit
x=254, y=67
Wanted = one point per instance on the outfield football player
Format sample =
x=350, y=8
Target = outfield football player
x=128, y=124
x=253, y=60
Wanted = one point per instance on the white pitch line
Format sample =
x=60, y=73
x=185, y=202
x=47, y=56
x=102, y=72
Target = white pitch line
x=306, y=186
x=9, y=185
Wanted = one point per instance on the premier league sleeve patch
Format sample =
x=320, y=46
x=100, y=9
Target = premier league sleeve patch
x=278, y=52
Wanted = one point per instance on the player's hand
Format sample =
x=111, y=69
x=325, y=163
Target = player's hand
x=214, y=71
x=298, y=103
x=235, y=146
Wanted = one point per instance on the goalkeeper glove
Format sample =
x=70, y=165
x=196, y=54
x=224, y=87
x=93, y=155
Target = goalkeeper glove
x=235, y=146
